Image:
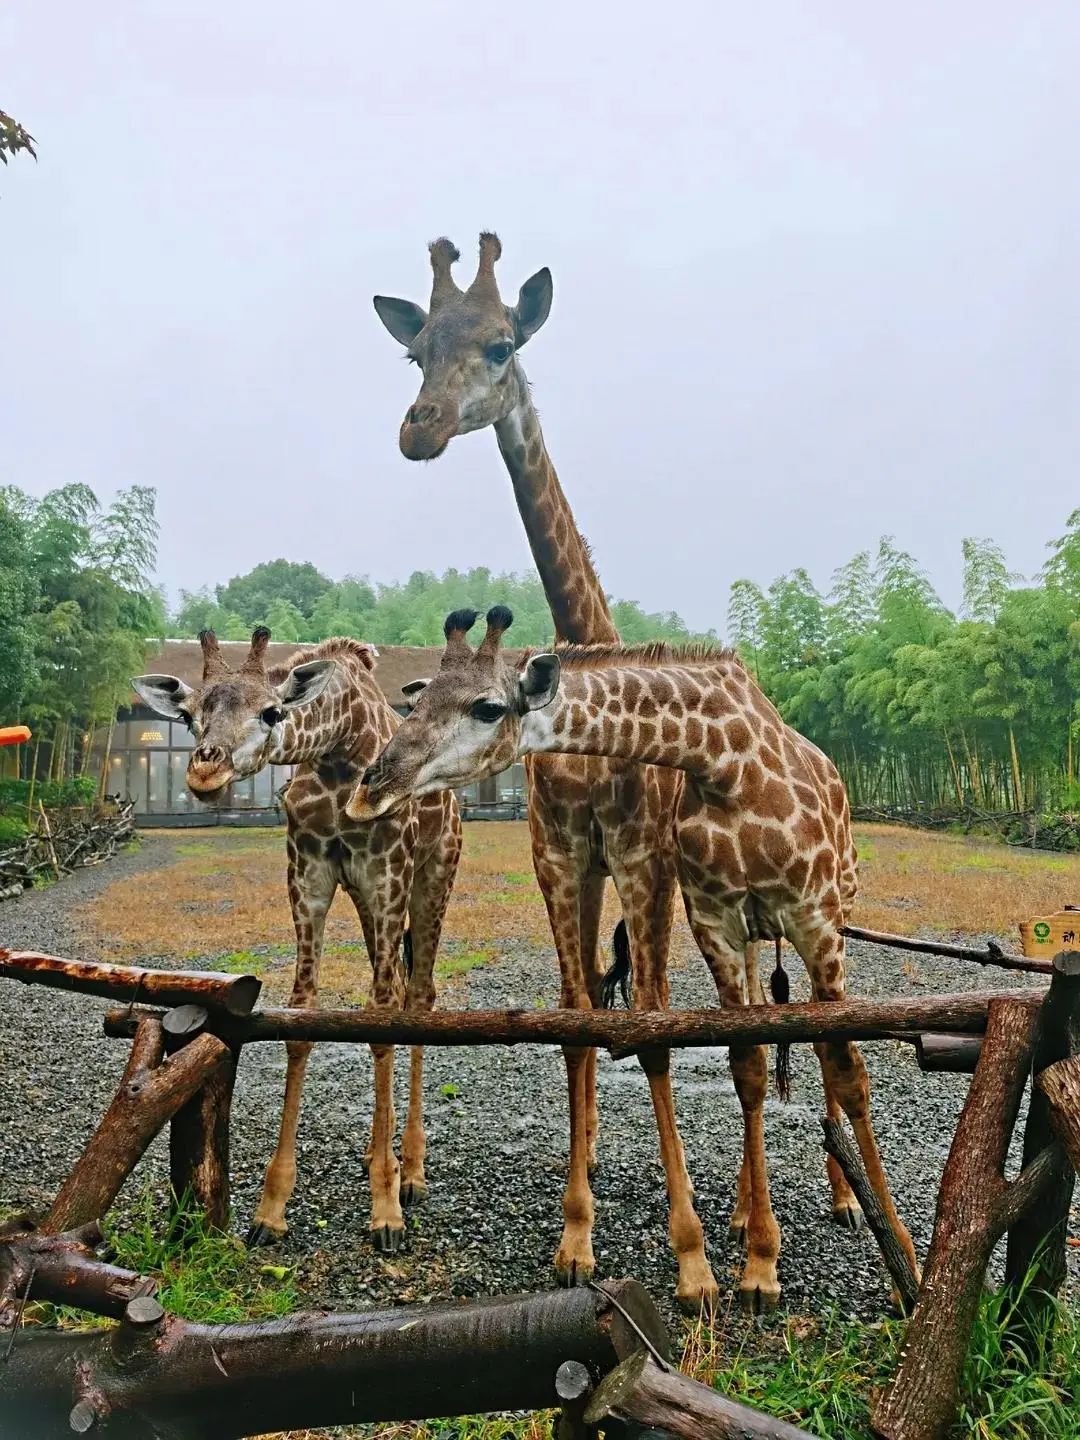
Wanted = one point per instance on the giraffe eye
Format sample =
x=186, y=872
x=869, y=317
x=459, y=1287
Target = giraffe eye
x=487, y=711
x=500, y=352
x=271, y=716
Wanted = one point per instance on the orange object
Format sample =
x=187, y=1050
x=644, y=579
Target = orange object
x=14, y=734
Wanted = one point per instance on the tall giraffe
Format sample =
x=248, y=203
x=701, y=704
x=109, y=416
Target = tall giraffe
x=323, y=712
x=588, y=817
x=763, y=829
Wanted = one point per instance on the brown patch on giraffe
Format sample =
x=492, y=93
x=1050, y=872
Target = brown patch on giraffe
x=777, y=801
x=738, y=735
x=694, y=733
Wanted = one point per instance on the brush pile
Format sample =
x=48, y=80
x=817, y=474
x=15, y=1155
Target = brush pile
x=62, y=841
x=1039, y=831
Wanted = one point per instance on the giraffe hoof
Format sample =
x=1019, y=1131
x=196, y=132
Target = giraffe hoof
x=414, y=1192
x=261, y=1235
x=758, y=1301
x=569, y=1276
x=849, y=1217
x=388, y=1239
x=698, y=1304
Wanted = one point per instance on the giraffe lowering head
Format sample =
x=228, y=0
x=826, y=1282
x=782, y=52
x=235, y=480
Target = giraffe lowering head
x=465, y=344
x=465, y=723
x=233, y=714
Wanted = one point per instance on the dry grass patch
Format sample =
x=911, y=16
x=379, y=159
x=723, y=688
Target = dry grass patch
x=223, y=892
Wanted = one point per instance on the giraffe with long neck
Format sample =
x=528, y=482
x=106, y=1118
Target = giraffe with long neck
x=763, y=829
x=589, y=817
x=324, y=713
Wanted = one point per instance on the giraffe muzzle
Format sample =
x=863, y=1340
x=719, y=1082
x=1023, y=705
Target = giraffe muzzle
x=427, y=430
x=209, y=772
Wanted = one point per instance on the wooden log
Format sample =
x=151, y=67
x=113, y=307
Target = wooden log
x=1060, y=1084
x=1035, y=1263
x=64, y=1270
x=991, y=955
x=233, y=994
x=975, y=1207
x=961, y=1013
x=847, y=1156
x=184, y=1380
x=953, y=1054
x=150, y=1092
x=199, y=1134
x=640, y=1393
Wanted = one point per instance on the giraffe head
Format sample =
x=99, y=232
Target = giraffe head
x=465, y=344
x=465, y=724
x=233, y=714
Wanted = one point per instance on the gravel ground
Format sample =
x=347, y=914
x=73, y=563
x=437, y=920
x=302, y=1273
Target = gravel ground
x=497, y=1134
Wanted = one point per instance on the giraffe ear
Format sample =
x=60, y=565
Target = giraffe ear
x=305, y=683
x=413, y=690
x=533, y=306
x=402, y=318
x=538, y=683
x=163, y=693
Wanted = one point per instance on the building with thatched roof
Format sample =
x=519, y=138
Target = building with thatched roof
x=148, y=756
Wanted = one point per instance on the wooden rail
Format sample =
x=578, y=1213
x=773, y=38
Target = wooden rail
x=234, y=994
x=991, y=954
x=962, y=1014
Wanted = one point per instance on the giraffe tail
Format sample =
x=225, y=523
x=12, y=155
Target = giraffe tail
x=618, y=978
x=406, y=951
x=780, y=990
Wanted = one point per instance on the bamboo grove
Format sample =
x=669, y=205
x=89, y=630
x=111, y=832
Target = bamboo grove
x=919, y=707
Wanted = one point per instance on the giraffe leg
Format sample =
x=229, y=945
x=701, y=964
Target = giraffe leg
x=647, y=893
x=753, y=1218
x=591, y=903
x=432, y=883
x=756, y=993
x=847, y=1086
x=561, y=876
x=312, y=884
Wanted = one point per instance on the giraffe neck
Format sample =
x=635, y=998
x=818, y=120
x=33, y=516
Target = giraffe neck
x=571, y=584
x=689, y=717
x=349, y=719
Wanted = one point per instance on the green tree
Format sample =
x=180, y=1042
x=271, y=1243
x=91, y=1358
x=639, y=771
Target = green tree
x=250, y=596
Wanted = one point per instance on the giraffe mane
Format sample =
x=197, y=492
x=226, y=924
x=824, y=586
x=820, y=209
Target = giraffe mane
x=649, y=655
x=338, y=647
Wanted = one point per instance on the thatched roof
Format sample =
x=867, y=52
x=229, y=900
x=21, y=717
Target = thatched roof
x=395, y=667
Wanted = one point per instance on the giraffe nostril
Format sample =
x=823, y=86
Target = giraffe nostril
x=425, y=414
x=369, y=775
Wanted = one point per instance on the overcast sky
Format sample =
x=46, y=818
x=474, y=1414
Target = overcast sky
x=815, y=276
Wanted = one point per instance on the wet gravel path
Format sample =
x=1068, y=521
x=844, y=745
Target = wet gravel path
x=497, y=1133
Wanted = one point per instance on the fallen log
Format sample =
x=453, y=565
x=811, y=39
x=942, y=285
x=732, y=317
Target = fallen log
x=962, y=1013
x=234, y=994
x=951, y=1054
x=976, y=1205
x=991, y=954
x=150, y=1093
x=640, y=1393
x=1060, y=1083
x=155, y=1374
x=846, y=1155
x=64, y=1270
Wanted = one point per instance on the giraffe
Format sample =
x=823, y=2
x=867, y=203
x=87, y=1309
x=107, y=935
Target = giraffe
x=589, y=817
x=324, y=713
x=763, y=828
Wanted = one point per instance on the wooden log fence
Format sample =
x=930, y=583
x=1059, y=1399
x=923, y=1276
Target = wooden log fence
x=990, y=954
x=233, y=994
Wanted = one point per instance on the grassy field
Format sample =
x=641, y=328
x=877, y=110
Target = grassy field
x=223, y=896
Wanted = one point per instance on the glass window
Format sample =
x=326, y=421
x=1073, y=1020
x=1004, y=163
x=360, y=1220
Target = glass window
x=159, y=782
x=241, y=794
x=182, y=738
x=135, y=777
x=179, y=798
x=147, y=733
x=263, y=792
x=116, y=781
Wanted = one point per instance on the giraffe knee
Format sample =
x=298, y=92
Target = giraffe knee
x=655, y=1061
x=297, y=1050
x=750, y=1072
x=848, y=1080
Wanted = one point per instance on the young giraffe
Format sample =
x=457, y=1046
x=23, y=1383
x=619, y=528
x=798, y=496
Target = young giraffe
x=324, y=713
x=588, y=816
x=763, y=827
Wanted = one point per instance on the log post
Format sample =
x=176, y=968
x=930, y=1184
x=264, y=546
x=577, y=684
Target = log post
x=156, y=1375
x=840, y=1147
x=65, y=1271
x=1060, y=1084
x=232, y=994
x=639, y=1393
x=952, y=1054
x=199, y=1134
x=1035, y=1263
x=976, y=1205
x=150, y=1092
